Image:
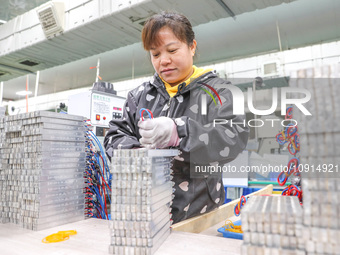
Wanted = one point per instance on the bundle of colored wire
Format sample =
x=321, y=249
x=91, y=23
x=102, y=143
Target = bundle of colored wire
x=290, y=135
x=293, y=190
x=292, y=168
x=239, y=205
x=230, y=226
x=97, y=177
x=289, y=113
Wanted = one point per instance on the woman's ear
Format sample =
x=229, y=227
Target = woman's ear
x=193, y=47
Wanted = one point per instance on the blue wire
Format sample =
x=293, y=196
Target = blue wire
x=98, y=210
x=98, y=178
x=103, y=155
x=147, y=111
x=95, y=159
x=284, y=177
x=99, y=198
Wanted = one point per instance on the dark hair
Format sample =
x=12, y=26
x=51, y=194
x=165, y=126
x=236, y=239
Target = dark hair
x=178, y=23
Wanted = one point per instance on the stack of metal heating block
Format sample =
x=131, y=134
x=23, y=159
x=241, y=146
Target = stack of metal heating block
x=42, y=169
x=272, y=225
x=142, y=192
x=320, y=158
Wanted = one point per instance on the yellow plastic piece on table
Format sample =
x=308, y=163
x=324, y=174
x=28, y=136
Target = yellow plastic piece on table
x=68, y=232
x=229, y=226
x=59, y=237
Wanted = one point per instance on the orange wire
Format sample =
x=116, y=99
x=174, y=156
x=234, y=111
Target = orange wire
x=231, y=227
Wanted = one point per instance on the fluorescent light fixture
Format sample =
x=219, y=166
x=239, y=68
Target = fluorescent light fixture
x=23, y=93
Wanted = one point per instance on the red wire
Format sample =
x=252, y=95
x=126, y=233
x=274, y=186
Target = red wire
x=289, y=114
x=105, y=209
x=104, y=193
x=103, y=174
x=101, y=210
x=148, y=111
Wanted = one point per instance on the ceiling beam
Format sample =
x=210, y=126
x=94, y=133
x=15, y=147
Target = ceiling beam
x=227, y=9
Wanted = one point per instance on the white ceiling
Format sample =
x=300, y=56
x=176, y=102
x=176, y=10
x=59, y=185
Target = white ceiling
x=301, y=22
x=12, y=8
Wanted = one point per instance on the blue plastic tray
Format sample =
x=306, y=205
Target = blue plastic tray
x=229, y=234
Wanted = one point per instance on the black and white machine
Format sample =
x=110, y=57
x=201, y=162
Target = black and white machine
x=99, y=105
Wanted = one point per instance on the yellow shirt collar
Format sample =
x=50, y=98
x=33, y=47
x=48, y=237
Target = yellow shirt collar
x=172, y=90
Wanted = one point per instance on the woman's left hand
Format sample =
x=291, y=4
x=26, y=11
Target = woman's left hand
x=158, y=133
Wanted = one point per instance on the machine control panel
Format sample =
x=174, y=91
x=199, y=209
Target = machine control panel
x=105, y=108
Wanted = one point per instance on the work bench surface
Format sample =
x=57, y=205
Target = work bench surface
x=93, y=237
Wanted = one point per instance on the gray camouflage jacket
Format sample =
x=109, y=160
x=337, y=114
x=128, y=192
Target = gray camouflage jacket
x=201, y=143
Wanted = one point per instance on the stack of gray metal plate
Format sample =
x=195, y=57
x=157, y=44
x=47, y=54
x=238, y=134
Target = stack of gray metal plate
x=319, y=132
x=12, y=159
x=141, y=198
x=44, y=156
x=320, y=158
x=272, y=225
x=321, y=215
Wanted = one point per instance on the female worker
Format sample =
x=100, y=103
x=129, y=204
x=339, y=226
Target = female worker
x=176, y=95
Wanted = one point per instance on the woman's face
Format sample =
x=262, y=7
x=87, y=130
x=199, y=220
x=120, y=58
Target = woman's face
x=172, y=59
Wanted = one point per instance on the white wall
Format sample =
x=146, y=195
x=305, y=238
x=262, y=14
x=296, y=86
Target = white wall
x=289, y=61
x=45, y=102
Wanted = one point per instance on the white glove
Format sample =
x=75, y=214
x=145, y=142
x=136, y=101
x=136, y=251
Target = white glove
x=158, y=133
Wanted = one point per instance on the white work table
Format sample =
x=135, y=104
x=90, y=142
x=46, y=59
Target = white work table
x=93, y=237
